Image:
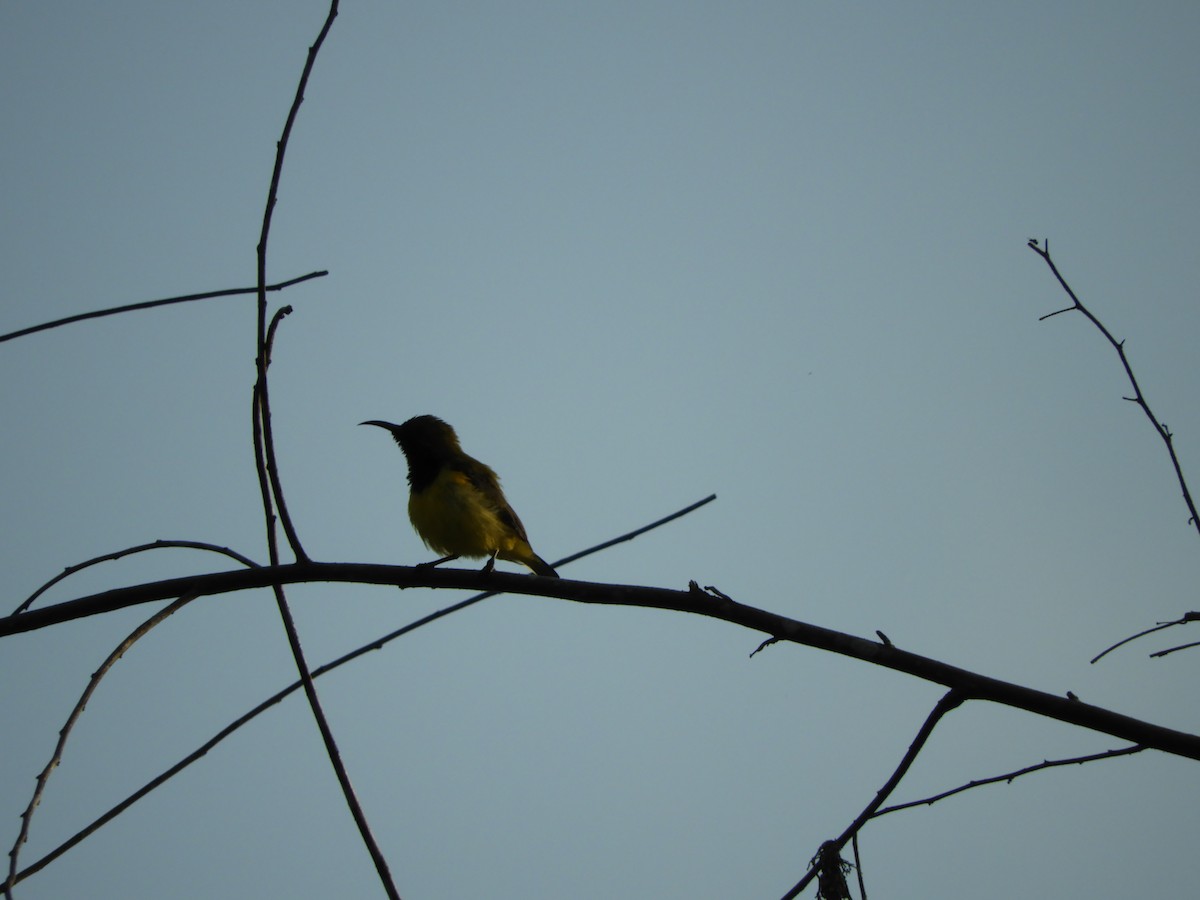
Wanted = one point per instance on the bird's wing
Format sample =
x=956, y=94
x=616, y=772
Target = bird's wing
x=485, y=480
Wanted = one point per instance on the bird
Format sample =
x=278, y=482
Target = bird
x=455, y=502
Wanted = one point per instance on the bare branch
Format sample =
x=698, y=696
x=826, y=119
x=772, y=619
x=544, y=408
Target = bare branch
x=128, y=551
x=1187, y=617
x=277, y=697
x=263, y=409
x=65, y=732
x=269, y=480
x=567, y=560
x=951, y=700
x=149, y=304
x=971, y=684
x=1138, y=398
x=1009, y=777
x=1171, y=650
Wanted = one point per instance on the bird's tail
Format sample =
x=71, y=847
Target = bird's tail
x=540, y=566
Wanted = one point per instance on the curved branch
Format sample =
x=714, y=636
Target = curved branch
x=693, y=600
x=65, y=732
x=128, y=551
x=268, y=474
x=265, y=435
x=1185, y=618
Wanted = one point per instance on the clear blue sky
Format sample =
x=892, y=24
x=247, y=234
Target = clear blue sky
x=636, y=253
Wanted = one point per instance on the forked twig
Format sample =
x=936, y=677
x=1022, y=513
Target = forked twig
x=1186, y=617
x=829, y=850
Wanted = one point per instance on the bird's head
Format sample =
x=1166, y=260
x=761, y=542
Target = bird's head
x=421, y=438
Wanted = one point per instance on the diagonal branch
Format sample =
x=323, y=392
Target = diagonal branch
x=1186, y=617
x=65, y=732
x=149, y=304
x=830, y=849
x=1009, y=777
x=1043, y=250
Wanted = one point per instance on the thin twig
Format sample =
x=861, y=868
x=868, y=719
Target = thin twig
x=1160, y=427
x=277, y=697
x=949, y=701
x=65, y=732
x=128, y=551
x=862, y=885
x=264, y=410
x=1187, y=617
x=566, y=560
x=1171, y=650
x=1009, y=777
x=148, y=304
x=266, y=464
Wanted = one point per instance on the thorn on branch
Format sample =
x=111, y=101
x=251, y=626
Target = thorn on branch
x=764, y=645
x=717, y=593
x=887, y=642
x=1057, y=312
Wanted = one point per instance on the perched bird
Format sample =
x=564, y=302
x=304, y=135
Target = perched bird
x=455, y=502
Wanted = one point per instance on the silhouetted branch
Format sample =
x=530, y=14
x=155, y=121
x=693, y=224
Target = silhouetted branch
x=828, y=857
x=693, y=600
x=65, y=732
x=276, y=698
x=1186, y=617
x=1043, y=250
x=128, y=551
x=263, y=409
x=148, y=304
x=268, y=474
x=1171, y=650
x=637, y=532
x=1009, y=777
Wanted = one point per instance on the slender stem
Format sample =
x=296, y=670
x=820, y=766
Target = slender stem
x=65, y=732
x=149, y=304
x=129, y=551
x=949, y=701
x=1010, y=776
x=1138, y=397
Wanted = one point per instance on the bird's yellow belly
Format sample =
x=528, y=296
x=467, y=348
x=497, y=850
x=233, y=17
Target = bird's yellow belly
x=453, y=519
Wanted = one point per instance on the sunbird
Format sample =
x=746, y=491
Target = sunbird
x=455, y=502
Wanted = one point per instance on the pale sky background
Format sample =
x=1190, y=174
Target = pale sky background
x=636, y=253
